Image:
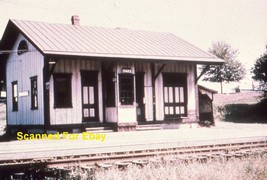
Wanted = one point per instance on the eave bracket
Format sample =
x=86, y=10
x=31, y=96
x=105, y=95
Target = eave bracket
x=206, y=68
x=158, y=72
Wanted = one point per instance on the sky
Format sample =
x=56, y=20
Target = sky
x=240, y=23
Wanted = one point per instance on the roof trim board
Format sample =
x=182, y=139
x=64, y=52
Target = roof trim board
x=135, y=57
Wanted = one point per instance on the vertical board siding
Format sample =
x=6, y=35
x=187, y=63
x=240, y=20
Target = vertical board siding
x=20, y=68
x=148, y=93
x=126, y=113
x=159, y=98
x=189, y=69
x=149, y=103
x=74, y=115
x=111, y=114
x=192, y=94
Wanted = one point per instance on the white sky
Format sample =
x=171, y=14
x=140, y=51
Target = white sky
x=241, y=23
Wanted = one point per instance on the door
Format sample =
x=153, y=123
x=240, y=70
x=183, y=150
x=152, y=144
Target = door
x=175, y=95
x=139, y=79
x=90, y=96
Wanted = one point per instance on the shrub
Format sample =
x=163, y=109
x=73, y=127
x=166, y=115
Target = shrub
x=241, y=113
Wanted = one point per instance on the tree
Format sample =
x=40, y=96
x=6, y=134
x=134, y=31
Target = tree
x=231, y=71
x=260, y=69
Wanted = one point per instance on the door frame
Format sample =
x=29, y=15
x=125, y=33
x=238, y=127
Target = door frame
x=90, y=77
x=175, y=80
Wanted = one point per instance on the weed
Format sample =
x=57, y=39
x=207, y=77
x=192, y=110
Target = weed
x=245, y=168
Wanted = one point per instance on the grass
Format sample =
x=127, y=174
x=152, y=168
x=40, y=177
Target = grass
x=237, y=98
x=245, y=168
x=254, y=167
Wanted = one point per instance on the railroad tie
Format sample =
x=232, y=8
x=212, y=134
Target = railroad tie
x=105, y=166
x=87, y=168
x=122, y=164
x=140, y=162
x=155, y=162
x=202, y=159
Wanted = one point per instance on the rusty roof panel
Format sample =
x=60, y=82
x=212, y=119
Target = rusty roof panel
x=62, y=39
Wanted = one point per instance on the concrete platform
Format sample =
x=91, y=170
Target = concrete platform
x=135, y=140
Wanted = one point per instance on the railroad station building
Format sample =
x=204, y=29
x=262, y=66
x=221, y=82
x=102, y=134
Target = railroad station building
x=70, y=77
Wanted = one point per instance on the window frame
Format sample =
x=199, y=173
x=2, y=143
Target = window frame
x=34, y=93
x=68, y=87
x=15, y=102
x=22, y=47
x=126, y=96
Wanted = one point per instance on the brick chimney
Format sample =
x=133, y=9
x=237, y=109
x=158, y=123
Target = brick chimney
x=75, y=20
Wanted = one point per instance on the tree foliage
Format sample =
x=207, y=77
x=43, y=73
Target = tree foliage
x=260, y=69
x=231, y=71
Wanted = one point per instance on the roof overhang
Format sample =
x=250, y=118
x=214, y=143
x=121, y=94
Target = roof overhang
x=12, y=30
x=207, y=89
x=132, y=57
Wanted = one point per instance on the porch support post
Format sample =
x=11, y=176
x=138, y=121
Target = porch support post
x=46, y=78
x=206, y=68
x=154, y=77
x=153, y=91
x=52, y=68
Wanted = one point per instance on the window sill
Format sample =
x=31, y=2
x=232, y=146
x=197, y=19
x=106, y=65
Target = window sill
x=67, y=107
x=127, y=106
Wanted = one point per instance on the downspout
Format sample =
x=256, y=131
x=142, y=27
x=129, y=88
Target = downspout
x=7, y=123
x=46, y=94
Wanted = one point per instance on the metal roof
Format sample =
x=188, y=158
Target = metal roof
x=76, y=40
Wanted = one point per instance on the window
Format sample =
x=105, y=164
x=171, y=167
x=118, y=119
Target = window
x=34, y=93
x=62, y=91
x=14, y=96
x=126, y=89
x=23, y=47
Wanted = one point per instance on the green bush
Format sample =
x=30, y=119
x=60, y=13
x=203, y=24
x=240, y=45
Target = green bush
x=243, y=112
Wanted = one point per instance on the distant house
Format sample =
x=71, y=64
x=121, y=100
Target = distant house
x=65, y=77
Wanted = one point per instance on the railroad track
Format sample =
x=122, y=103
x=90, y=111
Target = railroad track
x=60, y=167
x=224, y=150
